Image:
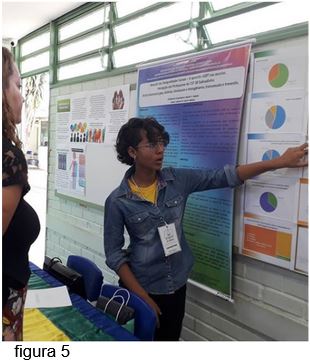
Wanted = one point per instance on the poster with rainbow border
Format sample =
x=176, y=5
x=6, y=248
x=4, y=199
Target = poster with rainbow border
x=199, y=99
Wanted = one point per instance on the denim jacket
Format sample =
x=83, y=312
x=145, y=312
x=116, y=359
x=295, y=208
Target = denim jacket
x=145, y=256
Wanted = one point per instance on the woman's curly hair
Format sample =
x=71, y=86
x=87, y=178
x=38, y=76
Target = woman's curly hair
x=9, y=129
x=130, y=135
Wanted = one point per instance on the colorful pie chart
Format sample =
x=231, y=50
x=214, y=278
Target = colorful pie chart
x=275, y=117
x=270, y=154
x=268, y=202
x=278, y=75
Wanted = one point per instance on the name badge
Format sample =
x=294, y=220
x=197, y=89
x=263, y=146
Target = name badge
x=169, y=239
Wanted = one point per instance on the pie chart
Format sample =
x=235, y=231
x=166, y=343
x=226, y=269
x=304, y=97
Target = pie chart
x=275, y=117
x=270, y=154
x=268, y=202
x=278, y=75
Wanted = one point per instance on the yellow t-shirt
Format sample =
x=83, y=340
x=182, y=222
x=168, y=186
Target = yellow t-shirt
x=147, y=193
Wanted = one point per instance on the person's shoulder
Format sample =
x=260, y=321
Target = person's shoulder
x=14, y=166
x=168, y=170
x=113, y=196
x=11, y=153
x=172, y=172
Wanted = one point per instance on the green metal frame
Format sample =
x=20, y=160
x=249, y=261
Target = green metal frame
x=207, y=15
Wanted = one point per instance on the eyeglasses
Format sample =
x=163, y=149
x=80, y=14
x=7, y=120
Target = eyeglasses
x=154, y=145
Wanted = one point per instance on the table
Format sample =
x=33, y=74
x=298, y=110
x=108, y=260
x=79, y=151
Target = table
x=79, y=322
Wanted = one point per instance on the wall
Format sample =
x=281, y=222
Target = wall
x=72, y=227
x=270, y=303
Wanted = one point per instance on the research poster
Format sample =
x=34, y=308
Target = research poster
x=272, y=198
x=70, y=164
x=281, y=69
x=87, y=124
x=199, y=100
x=267, y=147
x=276, y=204
x=270, y=240
x=278, y=112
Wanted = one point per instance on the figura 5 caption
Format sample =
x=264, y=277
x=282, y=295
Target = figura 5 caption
x=41, y=352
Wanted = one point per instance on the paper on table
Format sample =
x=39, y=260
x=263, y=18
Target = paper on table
x=48, y=298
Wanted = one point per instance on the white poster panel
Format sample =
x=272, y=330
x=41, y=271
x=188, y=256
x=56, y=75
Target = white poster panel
x=276, y=120
x=302, y=261
x=280, y=69
x=268, y=147
x=272, y=197
x=303, y=203
x=270, y=240
x=281, y=112
x=85, y=119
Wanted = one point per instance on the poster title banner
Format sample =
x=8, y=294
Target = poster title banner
x=208, y=86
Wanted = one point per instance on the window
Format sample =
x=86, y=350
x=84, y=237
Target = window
x=36, y=62
x=84, y=45
x=87, y=66
x=36, y=43
x=217, y=5
x=160, y=47
x=86, y=22
x=156, y=20
x=147, y=30
x=274, y=16
x=128, y=7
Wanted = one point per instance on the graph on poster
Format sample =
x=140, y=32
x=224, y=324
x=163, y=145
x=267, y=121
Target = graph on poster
x=268, y=202
x=270, y=154
x=278, y=75
x=275, y=117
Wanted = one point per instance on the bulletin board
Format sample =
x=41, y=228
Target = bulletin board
x=275, y=206
x=87, y=124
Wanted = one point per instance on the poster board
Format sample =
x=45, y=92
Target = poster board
x=100, y=184
x=87, y=124
x=199, y=100
x=275, y=219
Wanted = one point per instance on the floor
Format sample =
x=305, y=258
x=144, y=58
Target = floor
x=37, y=199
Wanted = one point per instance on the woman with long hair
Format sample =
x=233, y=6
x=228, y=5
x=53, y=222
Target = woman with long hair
x=20, y=223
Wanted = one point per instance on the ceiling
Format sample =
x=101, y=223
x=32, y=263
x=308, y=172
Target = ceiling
x=21, y=18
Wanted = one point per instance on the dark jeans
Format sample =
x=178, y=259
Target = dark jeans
x=172, y=307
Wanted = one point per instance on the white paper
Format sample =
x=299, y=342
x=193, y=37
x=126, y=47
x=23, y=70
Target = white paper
x=305, y=173
x=268, y=147
x=48, y=298
x=302, y=250
x=272, y=197
x=303, y=202
x=278, y=70
x=83, y=119
x=270, y=240
x=278, y=112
